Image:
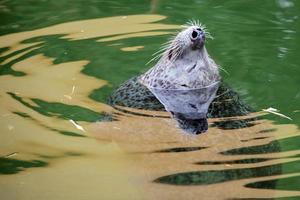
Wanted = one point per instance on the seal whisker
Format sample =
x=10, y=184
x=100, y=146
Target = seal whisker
x=224, y=70
x=165, y=46
x=200, y=25
x=153, y=59
x=177, y=50
x=159, y=51
x=162, y=51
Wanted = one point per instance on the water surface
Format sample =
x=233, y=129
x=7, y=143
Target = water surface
x=59, y=139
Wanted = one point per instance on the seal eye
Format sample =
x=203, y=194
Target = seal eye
x=194, y=34
x=199, y=29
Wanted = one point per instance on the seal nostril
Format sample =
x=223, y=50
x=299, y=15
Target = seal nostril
x=194, y=34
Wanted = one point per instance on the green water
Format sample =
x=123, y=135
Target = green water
x=257, y=42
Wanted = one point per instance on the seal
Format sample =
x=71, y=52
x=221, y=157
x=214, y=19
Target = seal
x=181, y=77
x=184, y=64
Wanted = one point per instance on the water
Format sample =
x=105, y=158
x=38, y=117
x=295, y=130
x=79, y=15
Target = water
x=60, y=60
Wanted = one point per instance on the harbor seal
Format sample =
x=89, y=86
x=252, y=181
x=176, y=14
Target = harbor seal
x=184, y=65
x=182, y=77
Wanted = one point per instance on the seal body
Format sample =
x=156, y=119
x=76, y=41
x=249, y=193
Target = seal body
x=133, y=94
x=227, y=103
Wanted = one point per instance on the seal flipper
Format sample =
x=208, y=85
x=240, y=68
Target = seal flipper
x=194, y=126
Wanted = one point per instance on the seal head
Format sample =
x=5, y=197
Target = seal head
x=184, y=63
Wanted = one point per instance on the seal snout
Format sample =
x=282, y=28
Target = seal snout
x=197, y=34
x=198, y=38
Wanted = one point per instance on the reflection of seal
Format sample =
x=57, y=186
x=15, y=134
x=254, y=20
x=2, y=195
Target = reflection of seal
x=227, y=103
x=184, y=65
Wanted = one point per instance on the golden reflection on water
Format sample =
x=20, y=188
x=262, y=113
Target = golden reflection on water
x=118, y=159
x=147, y=139
x=133, y=48
x=113, y=27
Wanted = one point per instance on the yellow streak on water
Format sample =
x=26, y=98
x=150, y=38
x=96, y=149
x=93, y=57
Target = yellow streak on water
x=142, y=34
x=134, y=48
x=50, y=82
x=116, y=161
x=18, y=55
x=90, y=175
x=34, y=139
x=94, y=28
x=17, y=47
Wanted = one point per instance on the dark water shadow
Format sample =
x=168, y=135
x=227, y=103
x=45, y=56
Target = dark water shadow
x=270, y=130
x=256, y=138
x=241, y=161
x=244, y=161
x=290, y=183
x=235, y=124
x=286, y=144
x=14, y=166
x=63, y=132
x=6, y=69
x=220, y=176
x=63, y=111
x=63, y=155
x=179, y=149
